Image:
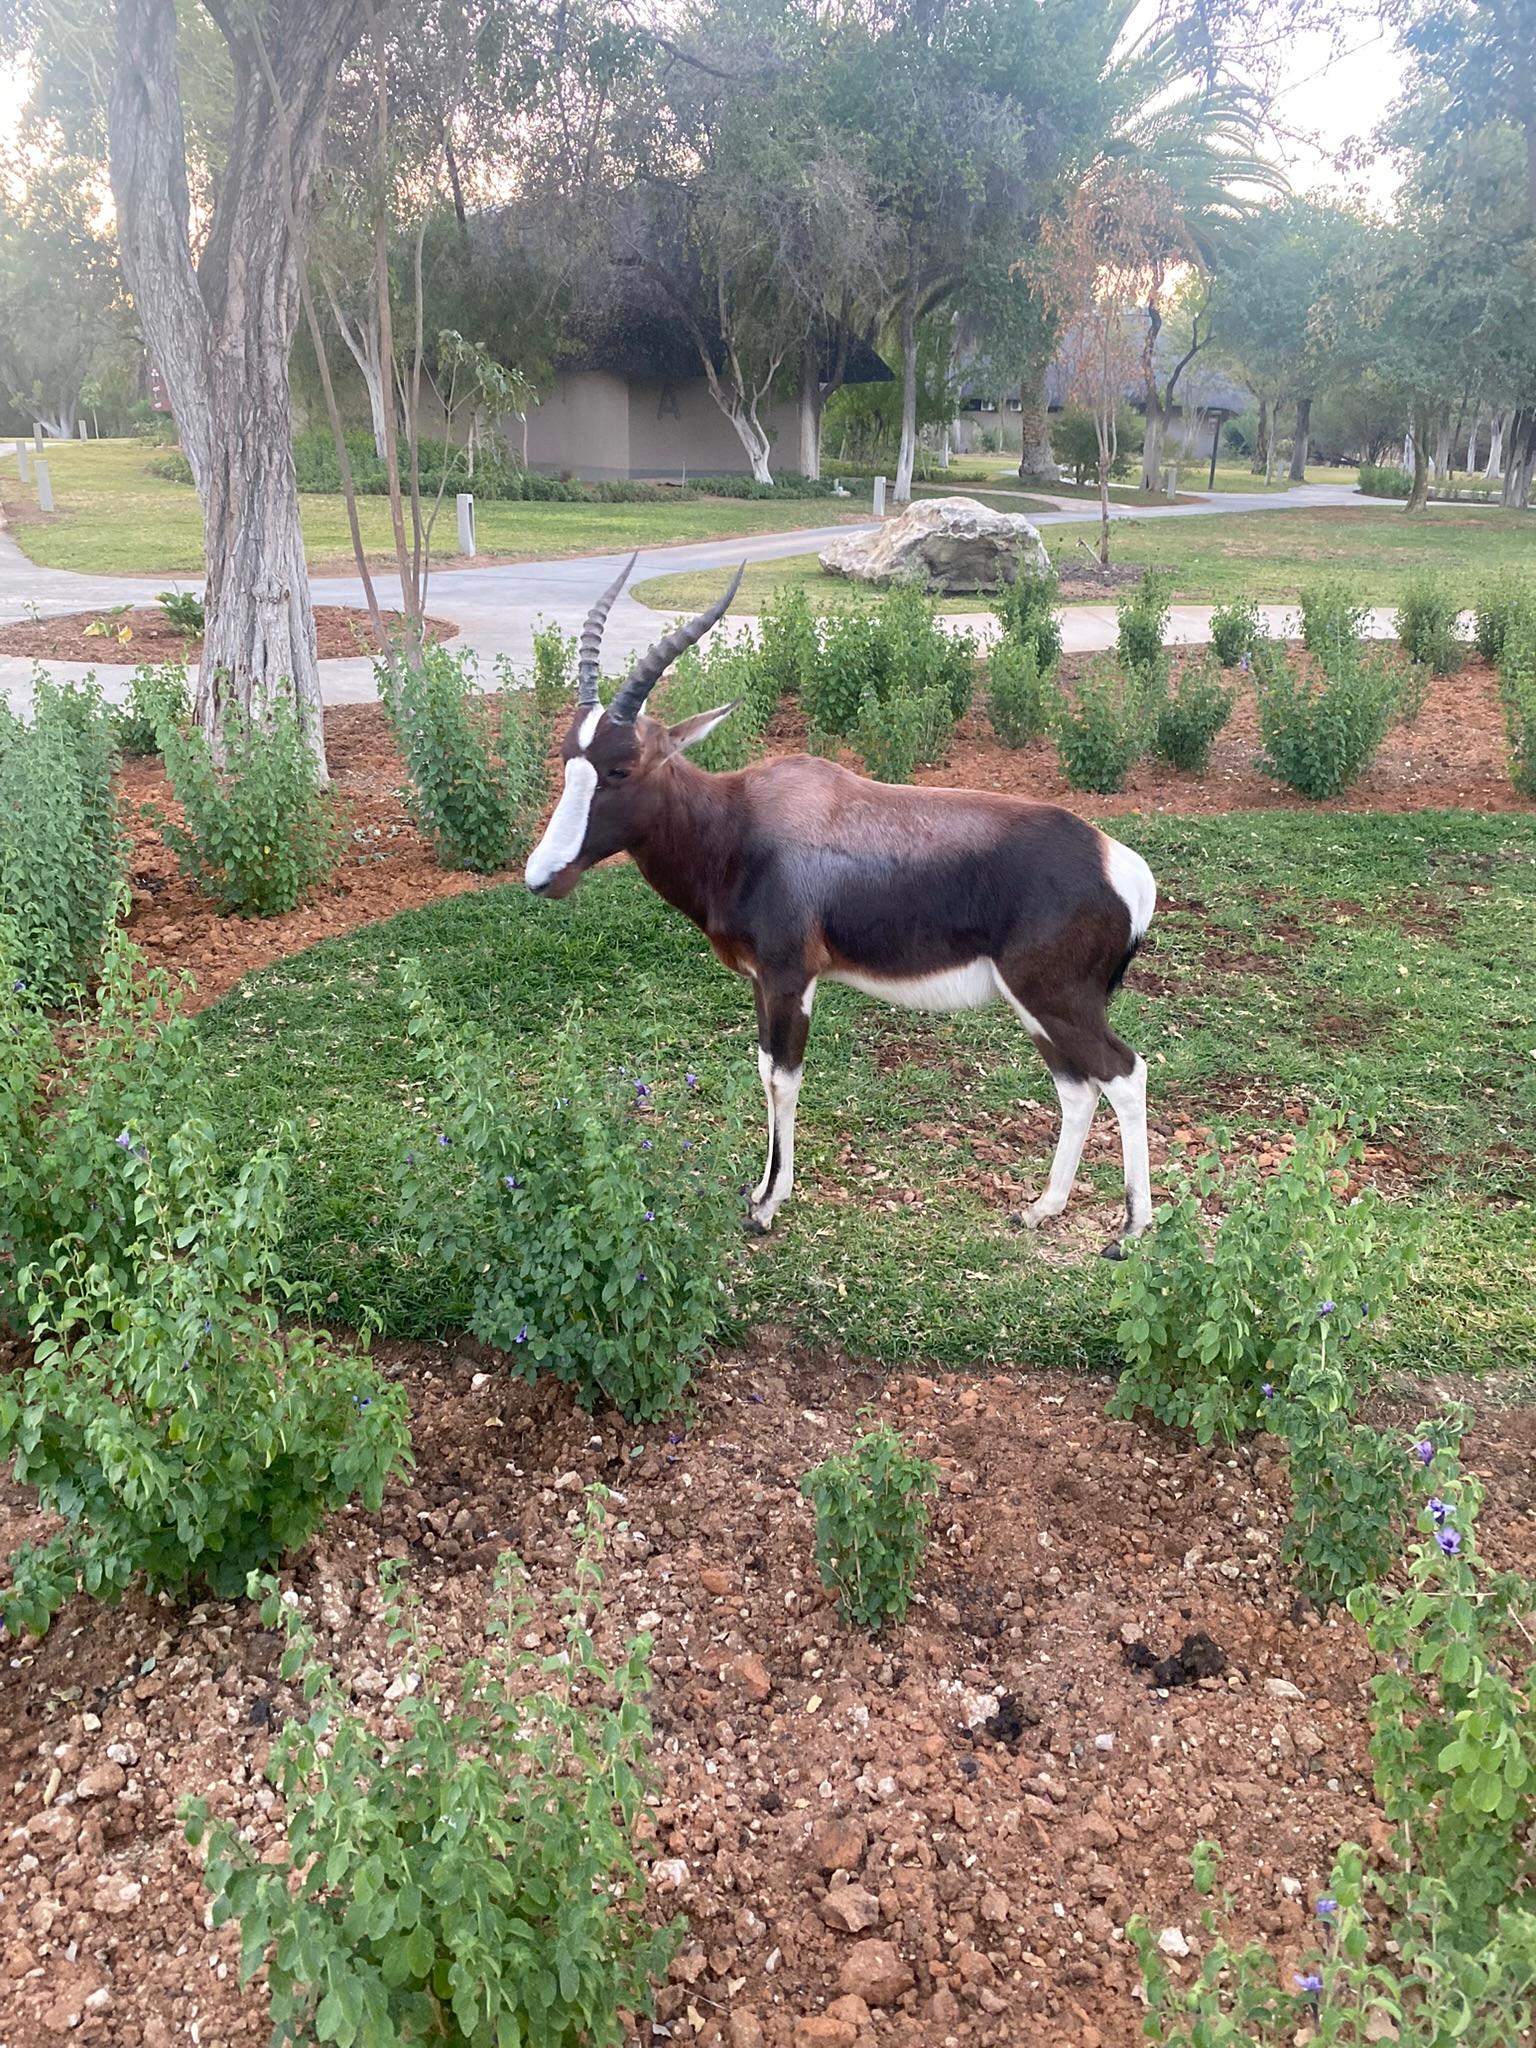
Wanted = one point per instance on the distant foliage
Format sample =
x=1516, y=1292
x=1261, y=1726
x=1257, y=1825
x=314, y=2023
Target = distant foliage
x=257, y=834
x=1331, y=618
x=1213, y=1323
x=1102, y=728
x=469, y=1877
x=1322, y=724
x=1385, y=480
x=1026, y=609
x=187, y=1432
x=60, y=851
x=475, y=762
x=1143, y=623
x=1235, y=630
x=872, y=1513
x=157, y=697
x=1427, y=617
x=895, y=648
x=585, y=1223
x=554, y=670
x=1500, y=603
x=1021, y=701
x=1191, y=715
x=1517, y=692
x=1075, y=441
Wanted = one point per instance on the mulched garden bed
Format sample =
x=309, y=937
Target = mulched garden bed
x=991, y=1789
x=340, y=631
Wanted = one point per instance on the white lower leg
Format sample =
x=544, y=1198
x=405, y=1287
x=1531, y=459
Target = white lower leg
x=1078, y=1099
x=1128, y=1099
x=781, y=1085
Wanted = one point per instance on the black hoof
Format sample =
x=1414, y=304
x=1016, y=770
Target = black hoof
x=1115, y=1249
x=753, y=1228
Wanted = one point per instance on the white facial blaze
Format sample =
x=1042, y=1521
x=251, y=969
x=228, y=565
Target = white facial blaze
x=566, y=832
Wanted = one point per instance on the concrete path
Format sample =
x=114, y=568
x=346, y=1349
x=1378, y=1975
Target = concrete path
x=498, y=606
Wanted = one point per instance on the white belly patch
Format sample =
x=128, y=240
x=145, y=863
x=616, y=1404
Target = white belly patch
x=953, y=988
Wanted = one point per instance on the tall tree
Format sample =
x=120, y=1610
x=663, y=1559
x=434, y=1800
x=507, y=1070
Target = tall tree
x=62, y=310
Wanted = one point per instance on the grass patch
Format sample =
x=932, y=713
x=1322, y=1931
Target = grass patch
x=1280, y=976
x=115, y=518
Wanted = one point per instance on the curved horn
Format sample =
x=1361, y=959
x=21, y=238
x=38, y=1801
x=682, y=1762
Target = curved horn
x=650, y=668
x=592, y=635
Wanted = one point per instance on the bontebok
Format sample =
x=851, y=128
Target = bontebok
x=797, y=870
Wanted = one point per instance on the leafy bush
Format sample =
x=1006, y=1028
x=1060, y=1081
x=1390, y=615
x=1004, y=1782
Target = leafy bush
x=470, y=1879
x=1021, y=702
x=1321, y=726
x=789, y=647
x=1075, y=441
x=476, y=762
x=586, y=1235
x=1517, y=690
x=183, y=610
x=175, y=468
x=1385, y=480
x=1235, y=630
x=257, y=834
x=897, y=734
x=896, y=648
x=157, y=697
x=1427, y=616
x=1213, y=1323
x=1026, y=610
x=554, y=670
x=872, y=1525
x=1143, y=623
x=1102, y=729
x=1191, y=715
x=1500, y=603
x=1331, y=618
x=723, y=672
x=186, y=1438
x=60, y=853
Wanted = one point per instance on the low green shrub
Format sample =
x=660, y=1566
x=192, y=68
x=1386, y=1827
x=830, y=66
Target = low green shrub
x=894, y=735
x=1427, y=616
x=476, y=762
x=1517, y=692
x=1102, y=729
x=257, y=832
x=1322, y=724
x=1214, y=1323
x=1331, y=617
x=554, y=670
x=896, y=648
x=1021, y=699
x=184, y=610
x=1235, y=630
x=576, y=1226
x=872, y=1525
x=174, y=468
x=1385, y=480
x=1026, y=610
x=157, y=697
x=184, y=1434
x=1191, y=715
x=61, y=861
x=1143, y=623
x=723, y=672
x=470, y=1878
x=789, y=646
x=1500, y=603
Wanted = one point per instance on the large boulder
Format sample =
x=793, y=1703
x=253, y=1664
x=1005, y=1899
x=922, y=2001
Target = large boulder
x=952, y=545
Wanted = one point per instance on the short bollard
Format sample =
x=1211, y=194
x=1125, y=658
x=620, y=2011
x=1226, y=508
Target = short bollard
x=83, y=430
x=466, y=508
x=37, y=436
x=44, y=486
x=21, y=462
x=879, y=497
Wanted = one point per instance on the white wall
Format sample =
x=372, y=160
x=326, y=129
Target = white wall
x=602, y=427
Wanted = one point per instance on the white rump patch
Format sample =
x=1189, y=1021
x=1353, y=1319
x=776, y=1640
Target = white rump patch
x=566, y=832
x=1133, y=882
x=954, y=988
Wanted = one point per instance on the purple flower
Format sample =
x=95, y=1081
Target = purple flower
x=522, y=1335
x=1243, y=663
x=509, y=1180
x=1311, y=1983
x=1424, y=1451
x=692, y=1080
x=410, y=1158
x=650, y=1215
x=645, y=1144
x=1267, y=1390
x=641, y=1091
x=687, y=1144
x=124, y=1139
x=18, y=985
x=1449, y=1541
x=1326, y=1908
x=1325, y=1308
x=443, y=1138
x=641, y=1278
x=1438, y=1508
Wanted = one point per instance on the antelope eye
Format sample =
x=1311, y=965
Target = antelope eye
x=618, y=774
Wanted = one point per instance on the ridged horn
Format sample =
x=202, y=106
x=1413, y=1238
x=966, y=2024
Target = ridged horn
x=650, y=668
x=592, y=635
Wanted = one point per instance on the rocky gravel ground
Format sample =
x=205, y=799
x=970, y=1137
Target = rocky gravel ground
x=931, y=1837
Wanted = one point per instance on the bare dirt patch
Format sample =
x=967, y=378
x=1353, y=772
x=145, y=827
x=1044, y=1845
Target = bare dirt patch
x=995, y=1781
x=340, y=631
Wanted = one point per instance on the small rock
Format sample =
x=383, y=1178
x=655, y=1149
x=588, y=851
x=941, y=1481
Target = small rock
x=851, y=2009
x=838, y=1844
x=1282, y=1689
x=671, y=1871
x=752, y=1674
x=850, y=1909
x=715, y=1583
x=994, y=1905
x=746, y=2030
x=820, y=2030
x=875, y=1972
x=1307, y=1739
x=1104, y=1743
x=1173, y=1942
x=116, y=1894
x=102, y=1781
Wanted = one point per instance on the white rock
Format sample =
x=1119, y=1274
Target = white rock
x=1172, y=1942
x=951, y=545
x=1282, y=1689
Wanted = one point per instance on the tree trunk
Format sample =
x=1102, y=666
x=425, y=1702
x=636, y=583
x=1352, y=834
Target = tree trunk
x=1418, y=497
x=908, y=450
x=1440, y=458
x=362, y=340
x=1298, y=471
x=1519, y=458
x=1269, y=447
x=810, y=409
x=1259, y=462
x=1472, y=445
x=1495, y=447
x=1037, y=463
x=1152, y=443
x=221, y=335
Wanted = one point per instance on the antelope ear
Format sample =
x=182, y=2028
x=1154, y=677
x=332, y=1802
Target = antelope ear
x=689, y=731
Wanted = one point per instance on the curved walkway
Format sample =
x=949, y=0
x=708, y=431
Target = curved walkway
x=497, y=606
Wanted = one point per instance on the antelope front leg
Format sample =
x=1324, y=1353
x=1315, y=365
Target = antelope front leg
x=783, y=1025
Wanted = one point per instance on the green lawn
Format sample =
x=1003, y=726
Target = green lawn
x=114, y=517
x=1265, y=555
x=1379, y=961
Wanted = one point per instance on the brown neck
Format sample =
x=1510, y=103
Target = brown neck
x=686, y=841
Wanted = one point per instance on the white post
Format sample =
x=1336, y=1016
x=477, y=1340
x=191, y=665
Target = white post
x=466, y=509
x=37, y=436
x=879, y=497
x=44, y=487
x=21, y=459
x=83, y=430
x=944, y=450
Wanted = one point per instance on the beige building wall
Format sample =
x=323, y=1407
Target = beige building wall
x=602, y=427
x=581, y=428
